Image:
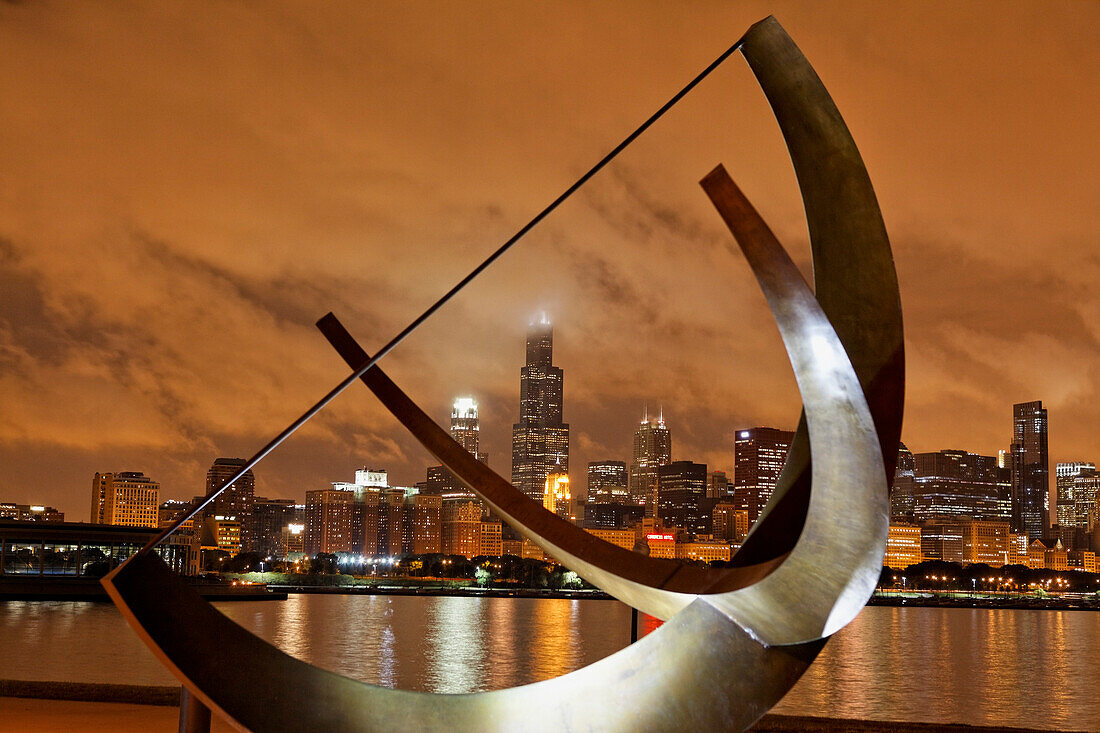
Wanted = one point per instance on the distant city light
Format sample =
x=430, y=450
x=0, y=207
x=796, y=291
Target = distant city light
x=744, y=433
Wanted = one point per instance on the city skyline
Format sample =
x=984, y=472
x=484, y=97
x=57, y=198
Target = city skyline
x=171, y=237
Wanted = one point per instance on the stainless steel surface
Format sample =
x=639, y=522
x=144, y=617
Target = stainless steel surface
x=854, y=277
x=736, y=640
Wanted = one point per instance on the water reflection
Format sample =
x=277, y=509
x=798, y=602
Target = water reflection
x=984, y=667
x=455, y=649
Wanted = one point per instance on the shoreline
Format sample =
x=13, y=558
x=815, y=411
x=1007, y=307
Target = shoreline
x=36, y=703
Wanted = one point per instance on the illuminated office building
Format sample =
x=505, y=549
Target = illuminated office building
x=222, y=533
x=623, y=538
x=423, y=524
x=1086, y=488
x=607, y=482
x=235, y=503
x=1066, y=475
x=956, y=483
x=127, y=498
x=903, y=546
x=330, y=515
x=1030, y=469
x=540, y=440
x=728, y=522
x=461, y=534
x=758, y=457
x=490, y=540
x=652, y=449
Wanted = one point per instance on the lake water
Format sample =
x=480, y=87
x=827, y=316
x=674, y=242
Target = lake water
x=1038, y=669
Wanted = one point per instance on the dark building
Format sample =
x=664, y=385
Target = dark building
x=269, y=518
x=606, y=482
x=955, y=483
x=758, y=457
x=235, y=503
x=901, y=496
x=1030, y=469
x=438, y=481
x=718, y=485
x=540, y=440
x=652, y=449
x=681, y=494
x=612, y=515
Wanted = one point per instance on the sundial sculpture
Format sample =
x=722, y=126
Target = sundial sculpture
x=736, y=639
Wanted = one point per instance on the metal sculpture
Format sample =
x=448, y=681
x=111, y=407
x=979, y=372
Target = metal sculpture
x=736, y=639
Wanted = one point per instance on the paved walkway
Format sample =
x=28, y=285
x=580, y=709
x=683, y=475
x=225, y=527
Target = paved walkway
x=29, y=715
x=65, y=716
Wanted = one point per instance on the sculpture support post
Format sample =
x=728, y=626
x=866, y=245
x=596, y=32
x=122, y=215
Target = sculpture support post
x=194, y=716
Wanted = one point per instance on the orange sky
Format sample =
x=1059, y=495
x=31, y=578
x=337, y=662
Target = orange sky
x=184, y=192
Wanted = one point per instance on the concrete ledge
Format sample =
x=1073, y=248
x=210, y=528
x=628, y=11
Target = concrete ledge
x=91, y=692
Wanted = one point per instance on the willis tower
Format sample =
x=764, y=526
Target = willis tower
x=540, y=440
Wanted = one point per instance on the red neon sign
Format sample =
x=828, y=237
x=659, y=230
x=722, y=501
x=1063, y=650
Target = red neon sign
x=666, y=537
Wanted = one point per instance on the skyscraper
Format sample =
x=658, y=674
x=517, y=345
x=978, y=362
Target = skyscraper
x=1030, y=469
x=901, y=497
x=540, y=440
x=681, y=494
x=955, y=483
x=606, y=481
x=235, y=503
x=652, y=449
x=758, y=457
x=466, y=430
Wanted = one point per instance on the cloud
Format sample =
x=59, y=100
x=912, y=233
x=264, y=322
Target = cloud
x=192, y=190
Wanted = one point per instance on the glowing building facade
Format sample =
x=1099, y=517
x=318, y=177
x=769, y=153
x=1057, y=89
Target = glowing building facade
x=556, y=497
x=903, y=546
x=127, y=498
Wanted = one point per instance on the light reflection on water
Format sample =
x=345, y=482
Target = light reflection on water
x=991, y=667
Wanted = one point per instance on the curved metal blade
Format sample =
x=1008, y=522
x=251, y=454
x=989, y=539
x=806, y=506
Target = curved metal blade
x=854, y=277
x=683, y=676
